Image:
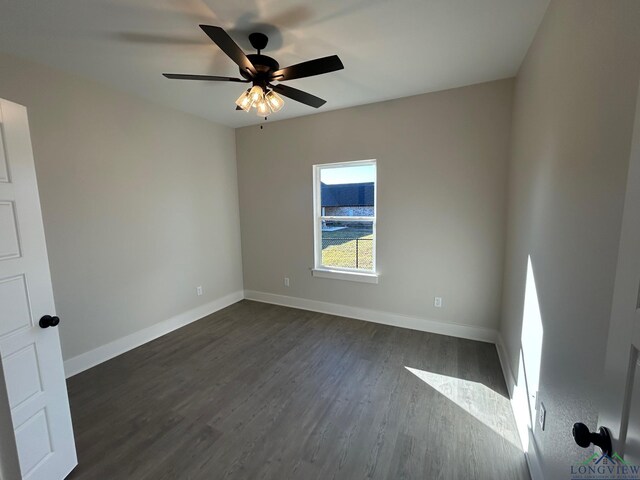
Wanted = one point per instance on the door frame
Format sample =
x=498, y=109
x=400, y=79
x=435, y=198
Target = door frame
x=614, y=406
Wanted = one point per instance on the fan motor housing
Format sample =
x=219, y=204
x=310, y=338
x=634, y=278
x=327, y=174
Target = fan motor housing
x=263, y=64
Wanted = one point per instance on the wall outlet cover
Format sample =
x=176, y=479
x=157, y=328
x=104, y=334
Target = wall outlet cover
x=542, y=416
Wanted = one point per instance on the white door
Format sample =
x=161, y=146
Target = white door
x=620, y=411
x=34, y=386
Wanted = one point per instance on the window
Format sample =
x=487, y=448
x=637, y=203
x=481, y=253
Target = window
x=345, y=220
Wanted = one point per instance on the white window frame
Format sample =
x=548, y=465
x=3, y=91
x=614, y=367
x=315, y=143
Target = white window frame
x=341, y=273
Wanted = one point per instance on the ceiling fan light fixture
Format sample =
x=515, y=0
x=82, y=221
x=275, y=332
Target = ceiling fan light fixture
x=274, y=100
x=262, y=108
x=244, y=101
x=260, y=70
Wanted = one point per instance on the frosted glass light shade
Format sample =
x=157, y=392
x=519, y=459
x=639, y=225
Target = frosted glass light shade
x=262, y=108
x=244, y=101
x=275, y=101
x=256, y=94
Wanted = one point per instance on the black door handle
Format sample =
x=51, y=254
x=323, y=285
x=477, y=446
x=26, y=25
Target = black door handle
x=49, y=321
x=584, y=437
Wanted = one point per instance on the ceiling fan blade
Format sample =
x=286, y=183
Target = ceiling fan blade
x=208, y=78
x=299, y=95
x=309, y=69
x=228, y=46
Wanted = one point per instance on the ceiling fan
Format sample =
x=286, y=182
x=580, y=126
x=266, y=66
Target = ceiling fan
x=261, y=70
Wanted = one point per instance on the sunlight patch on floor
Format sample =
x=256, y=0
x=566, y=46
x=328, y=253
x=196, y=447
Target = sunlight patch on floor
x=478, y=400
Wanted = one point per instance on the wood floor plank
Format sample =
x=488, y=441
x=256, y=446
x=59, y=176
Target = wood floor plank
x=260, y=391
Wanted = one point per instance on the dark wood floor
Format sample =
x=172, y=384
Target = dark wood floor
x=258, y=391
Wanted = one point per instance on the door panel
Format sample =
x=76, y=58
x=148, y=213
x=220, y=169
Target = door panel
x=9, y=244
x=30, y=356
x=34, y=446
x=24, y=381
x=15, y=304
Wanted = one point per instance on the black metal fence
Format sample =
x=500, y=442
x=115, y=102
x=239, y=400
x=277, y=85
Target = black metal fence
x=347, y=252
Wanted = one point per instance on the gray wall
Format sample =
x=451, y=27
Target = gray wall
x=442, y=161
x=571, y=134
x=139, y=204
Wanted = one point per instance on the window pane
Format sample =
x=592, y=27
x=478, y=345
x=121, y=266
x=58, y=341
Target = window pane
x=348, y=191
x=347, y=244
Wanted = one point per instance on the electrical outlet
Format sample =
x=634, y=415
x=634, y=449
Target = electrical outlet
x=542, y=416
x=437, y=302
x=286, y=282
x=199, y=290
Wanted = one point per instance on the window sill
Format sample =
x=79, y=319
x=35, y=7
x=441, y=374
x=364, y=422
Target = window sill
x=342, y=275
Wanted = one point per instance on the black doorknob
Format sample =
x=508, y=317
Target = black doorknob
x=584, y=438
x=49, y=321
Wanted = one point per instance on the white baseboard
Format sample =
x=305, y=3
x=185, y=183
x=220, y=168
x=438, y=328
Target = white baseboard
x=103, y=353
x=532, y=455
x=423, y=324
x=509, y=378
x=533, y=459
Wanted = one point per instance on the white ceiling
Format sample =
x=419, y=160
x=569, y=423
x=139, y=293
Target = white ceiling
x=390, y=48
